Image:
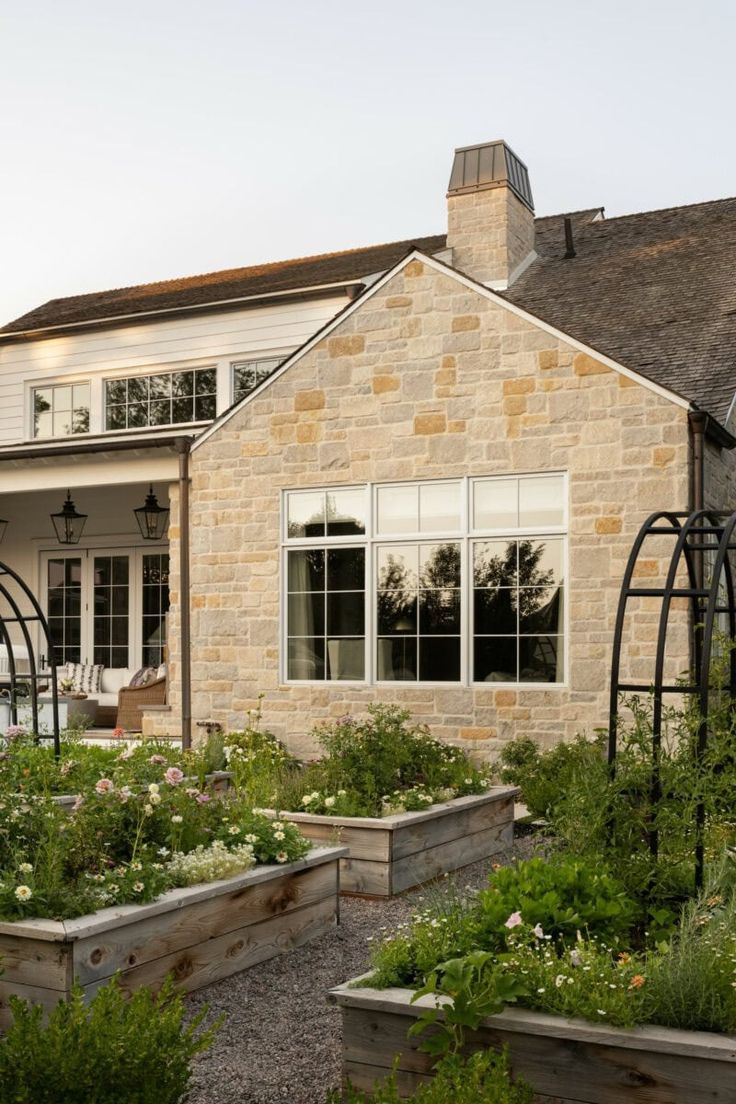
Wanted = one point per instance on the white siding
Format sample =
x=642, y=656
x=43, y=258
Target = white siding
x=152, y=345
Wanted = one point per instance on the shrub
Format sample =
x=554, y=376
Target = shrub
x=483, y=1078
x=382, y=765
x=113, y=1051
x=545, y=777
x=563, y=895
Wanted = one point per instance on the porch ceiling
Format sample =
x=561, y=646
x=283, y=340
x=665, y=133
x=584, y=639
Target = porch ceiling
x=99, y=469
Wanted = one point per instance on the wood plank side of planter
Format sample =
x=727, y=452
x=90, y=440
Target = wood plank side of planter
x=214, y=959
x=35, y=962
x=34, y=994
x=432, y=862
x=568, y=1062
x=373, y=844
x=156, y=937
x=411, y=838
x=361, y=876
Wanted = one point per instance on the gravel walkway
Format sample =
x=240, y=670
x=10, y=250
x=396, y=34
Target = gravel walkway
x=281, y=1041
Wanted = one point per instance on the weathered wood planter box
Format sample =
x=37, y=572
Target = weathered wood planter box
x=391, y=854
x=199, y=934
x=566, y=1061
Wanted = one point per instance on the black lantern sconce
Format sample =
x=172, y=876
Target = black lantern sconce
x=153, y=520
x=68, y=523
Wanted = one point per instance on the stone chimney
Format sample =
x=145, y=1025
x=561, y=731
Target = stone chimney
x=490, y=214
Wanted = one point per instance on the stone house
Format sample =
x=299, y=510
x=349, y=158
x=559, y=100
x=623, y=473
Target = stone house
x=431, y=501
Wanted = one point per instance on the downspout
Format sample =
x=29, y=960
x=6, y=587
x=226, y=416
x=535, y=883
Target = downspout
x=183, y=445
x=698, y=420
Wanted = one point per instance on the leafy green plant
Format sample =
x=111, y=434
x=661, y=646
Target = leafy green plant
x=482, y=1078
x=114, y=1051
x=546, y=777
x=378, y=766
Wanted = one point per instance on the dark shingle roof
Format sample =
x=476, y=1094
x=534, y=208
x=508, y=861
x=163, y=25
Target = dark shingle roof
x=214, y=287
x=655, y=291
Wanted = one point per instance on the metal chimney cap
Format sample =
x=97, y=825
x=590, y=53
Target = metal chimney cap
x=490, y=165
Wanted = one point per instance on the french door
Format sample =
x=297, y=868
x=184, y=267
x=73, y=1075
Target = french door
x=107, y=605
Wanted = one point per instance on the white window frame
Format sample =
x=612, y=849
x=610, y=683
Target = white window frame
x=46, y=385
x=146, y=373
x=87, y=553
x=466, y=536
x=251, y=358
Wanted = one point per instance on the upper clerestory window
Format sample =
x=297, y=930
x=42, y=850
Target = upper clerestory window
x=167, y=398
x=61, y=410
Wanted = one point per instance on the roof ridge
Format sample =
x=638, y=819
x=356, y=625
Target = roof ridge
x=662, y=210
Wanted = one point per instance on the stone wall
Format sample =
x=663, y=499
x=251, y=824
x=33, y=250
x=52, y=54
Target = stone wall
x=429, y=378
x=490, y=233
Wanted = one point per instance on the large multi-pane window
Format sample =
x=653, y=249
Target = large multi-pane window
x=247, y=374
x=155, y=606
x=61, y=410
x=450, y=581
x=111, y=598
x=167, y=398
x=64, y=584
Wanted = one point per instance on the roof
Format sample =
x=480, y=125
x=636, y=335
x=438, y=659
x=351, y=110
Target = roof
x=653, y=291
x=348, y=267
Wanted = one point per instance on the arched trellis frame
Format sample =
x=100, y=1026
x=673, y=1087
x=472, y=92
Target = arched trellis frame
x=19, y=606
x=699, y=539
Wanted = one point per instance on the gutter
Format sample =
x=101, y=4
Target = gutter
x=99, y=444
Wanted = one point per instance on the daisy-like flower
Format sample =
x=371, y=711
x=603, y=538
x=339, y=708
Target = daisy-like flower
x=637, y=981
x=148, y=810
x=281, y=857
x=278, y=825
x=24, y=893
x=279, y=835
x=174, y=776
x=234, y=830
x=163, y=851
x=251, y=838
x=176, y=819
x=25, y=868
x=157, y=760
x=138, y=887
x=135, y=865
x=307, y=799
x=104, y=786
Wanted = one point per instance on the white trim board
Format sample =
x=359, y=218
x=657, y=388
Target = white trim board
x=472, y=285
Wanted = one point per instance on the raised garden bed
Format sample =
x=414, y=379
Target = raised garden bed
x=388, y=855
x=566, y=1061
x=217, y=782
x=199, y=934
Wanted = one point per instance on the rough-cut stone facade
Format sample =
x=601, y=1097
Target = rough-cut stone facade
x=490, y=233
x=428, y=378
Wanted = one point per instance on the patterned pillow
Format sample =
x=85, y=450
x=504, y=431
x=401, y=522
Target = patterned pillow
x=86, y=676
x=143, y=676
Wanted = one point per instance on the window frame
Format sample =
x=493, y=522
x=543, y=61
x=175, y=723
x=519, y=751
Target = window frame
x=149, y=373
x=243, y=362
x=55, y=385
x=466, y=536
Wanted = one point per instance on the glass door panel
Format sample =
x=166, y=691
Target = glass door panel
x=64, y=583
x=155, y=607
x=111, y=610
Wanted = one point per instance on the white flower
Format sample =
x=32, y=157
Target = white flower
x=278, y=825
x=154, y=798
x=233, y=830
x=281, y=857
x=23, y=893
x=138, y=887
x=153, y=788
x=329, y=802
x=251, y=838
x=25, y=868
x=538, y=931
x=163, y=852
x=176, y=819
x=560, y=980
x=342, y=793
x=148, y=810
x=279, y=835
x=307, y=799
x=135, y=865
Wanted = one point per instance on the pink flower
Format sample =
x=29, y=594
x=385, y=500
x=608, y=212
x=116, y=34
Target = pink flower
x=125, y=793
x=203, y=798
x=157, y=760
x=104, y=786
x=174, y=776
x=514, y=920
x=13, y=731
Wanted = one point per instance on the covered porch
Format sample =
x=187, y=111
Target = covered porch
x=102, y=582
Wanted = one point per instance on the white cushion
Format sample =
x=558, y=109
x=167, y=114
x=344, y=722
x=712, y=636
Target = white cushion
x=113, y=679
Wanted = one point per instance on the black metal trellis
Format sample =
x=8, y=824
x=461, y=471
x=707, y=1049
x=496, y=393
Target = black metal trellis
x=698, y=537
x=13, y=601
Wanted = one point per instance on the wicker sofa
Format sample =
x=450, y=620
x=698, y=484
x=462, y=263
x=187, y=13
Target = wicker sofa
x=133, y=700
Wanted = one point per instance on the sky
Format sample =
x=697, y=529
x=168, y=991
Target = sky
x=149, y=140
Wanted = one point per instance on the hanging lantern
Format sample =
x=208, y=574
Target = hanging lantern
x=153, y=520
x=68, y=523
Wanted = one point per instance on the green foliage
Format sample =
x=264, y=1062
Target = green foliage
x=382, y=765
x=482, y=1078
x=259, y=763
x=113, y=1051
x=546, y=777
x=563, y=895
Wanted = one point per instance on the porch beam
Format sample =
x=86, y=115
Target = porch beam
x=183, y=445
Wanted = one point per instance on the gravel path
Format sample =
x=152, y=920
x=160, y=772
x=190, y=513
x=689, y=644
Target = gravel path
x=281, y=1041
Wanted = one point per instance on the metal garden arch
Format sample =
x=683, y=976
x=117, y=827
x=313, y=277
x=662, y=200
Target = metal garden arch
x=700, y=570
x=19, y=606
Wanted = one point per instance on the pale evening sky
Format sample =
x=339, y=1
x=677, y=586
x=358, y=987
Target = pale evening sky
x=149, y=140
